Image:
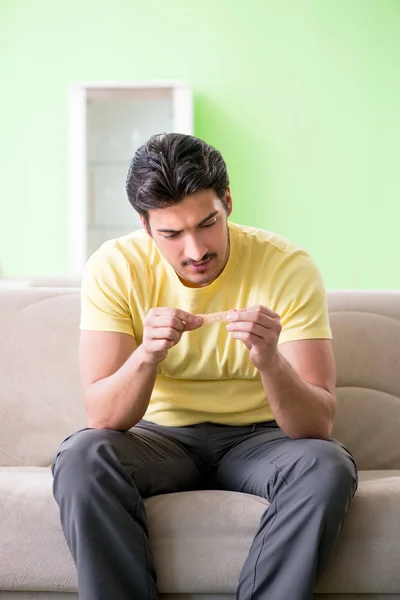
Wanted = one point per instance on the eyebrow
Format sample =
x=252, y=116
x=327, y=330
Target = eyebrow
x=210, y=216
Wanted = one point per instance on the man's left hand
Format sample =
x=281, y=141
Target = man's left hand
x=259, y=329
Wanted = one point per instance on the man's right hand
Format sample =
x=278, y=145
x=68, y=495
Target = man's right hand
x=163, y=329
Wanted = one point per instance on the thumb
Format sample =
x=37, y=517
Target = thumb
x=194, y=323
x=247, y=344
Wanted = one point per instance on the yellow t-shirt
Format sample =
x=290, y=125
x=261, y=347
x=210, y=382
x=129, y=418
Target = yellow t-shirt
x=208, y=375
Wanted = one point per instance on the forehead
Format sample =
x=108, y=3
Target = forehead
x=188, y=213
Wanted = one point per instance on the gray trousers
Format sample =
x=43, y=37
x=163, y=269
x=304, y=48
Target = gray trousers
x=102, y=476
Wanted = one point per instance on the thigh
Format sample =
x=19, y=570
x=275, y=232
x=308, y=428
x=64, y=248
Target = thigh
x=268, y=459
x=154, y=462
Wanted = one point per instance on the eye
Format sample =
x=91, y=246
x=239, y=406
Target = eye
x=210, y=224
x=171, y=236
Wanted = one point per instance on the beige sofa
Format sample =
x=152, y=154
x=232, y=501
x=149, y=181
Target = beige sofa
x=200, y=539
x=40, y=281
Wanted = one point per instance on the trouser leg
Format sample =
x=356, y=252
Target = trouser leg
x=309, y=484
x=100, y=480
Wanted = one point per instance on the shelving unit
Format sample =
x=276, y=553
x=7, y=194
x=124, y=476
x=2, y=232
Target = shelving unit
x=108, y=122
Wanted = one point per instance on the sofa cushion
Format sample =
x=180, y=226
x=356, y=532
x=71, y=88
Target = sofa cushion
x=200, y=539
x=50, y=281
x=366, y=342
x=40, y=397
x=366, y=558
x=41, y=400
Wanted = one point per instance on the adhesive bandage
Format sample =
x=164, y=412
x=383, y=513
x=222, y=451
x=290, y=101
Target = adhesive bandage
x=217, y=317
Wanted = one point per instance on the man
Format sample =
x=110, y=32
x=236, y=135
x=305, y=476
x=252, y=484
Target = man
x=175, y=404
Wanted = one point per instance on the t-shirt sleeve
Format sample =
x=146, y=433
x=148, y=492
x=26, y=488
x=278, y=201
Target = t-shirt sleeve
x=105, y=293
x=302, y=303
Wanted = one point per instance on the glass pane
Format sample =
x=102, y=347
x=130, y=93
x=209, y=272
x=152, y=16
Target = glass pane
x=117, y=124
x=108, y=203
x=116, y=128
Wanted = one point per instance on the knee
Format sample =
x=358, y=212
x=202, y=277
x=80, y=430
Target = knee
x=331, y=468
x=79, y=457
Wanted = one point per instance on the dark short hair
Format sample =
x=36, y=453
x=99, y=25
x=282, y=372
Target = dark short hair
x=171, y=166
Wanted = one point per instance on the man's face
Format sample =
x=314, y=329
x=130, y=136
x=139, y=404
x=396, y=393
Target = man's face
x=193, y=236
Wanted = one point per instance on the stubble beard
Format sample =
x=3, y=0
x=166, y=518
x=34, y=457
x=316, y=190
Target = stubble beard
x=220, y=265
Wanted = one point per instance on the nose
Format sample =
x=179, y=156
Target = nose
x=195, y=248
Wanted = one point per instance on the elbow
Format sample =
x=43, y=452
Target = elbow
x=102, y=420
x=322, y=431
x=92, y=424
x=310, y=435
x=102, y=425
x=98, y=418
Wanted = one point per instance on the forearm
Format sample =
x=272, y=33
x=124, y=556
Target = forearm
x=120, y=400
x=301, y=409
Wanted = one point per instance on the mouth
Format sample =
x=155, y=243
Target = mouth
x=201, y=267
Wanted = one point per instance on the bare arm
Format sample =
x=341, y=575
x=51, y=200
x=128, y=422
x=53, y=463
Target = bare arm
x=300, y=386
x=298, y=377
x=118, y=376
x=117, y=382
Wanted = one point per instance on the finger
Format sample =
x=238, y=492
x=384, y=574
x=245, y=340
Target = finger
x=153, y=346
x=191, y=326
x=243, y=337
x=244, y=316
x=249, y=327
x=175, y=312
x=264, y=310
x=163, y=333
x=165, y=321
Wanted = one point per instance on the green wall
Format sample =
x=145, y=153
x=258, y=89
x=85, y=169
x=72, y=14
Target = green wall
x=302, y=98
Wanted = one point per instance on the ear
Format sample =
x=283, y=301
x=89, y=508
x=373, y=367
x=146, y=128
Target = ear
x=228, y=200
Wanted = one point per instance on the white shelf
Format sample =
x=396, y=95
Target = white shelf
x=108, y=122
x=115, y=163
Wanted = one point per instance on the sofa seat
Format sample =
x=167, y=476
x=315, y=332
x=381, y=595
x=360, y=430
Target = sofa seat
x=200, y=539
